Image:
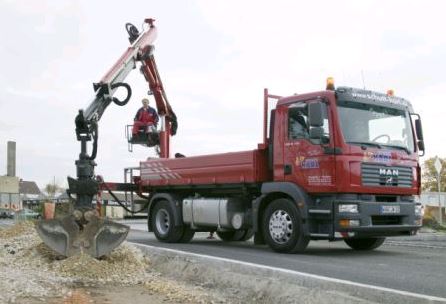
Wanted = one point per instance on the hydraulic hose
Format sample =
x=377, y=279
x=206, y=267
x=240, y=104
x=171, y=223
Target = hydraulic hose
x=122, y=204
x=129, y=93
x=94, y=132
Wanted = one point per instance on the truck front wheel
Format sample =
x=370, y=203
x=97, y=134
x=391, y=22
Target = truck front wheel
x=163, y=224
x=282, y=227
x=365, y=243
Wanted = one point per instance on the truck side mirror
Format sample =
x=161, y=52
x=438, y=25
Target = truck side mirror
x=316, y=114
x=420, y=137
x=421, y=145
x=419, y=129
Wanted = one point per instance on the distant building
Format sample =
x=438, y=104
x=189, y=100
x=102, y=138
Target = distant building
x=9, y=193
x=30, y=193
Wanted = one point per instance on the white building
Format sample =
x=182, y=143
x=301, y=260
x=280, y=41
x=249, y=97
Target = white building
x=431, y=199
x=9, y=193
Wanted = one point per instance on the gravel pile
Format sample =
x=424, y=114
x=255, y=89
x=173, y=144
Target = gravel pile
x=29, y=269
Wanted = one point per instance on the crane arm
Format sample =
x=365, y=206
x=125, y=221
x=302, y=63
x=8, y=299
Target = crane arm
x=83, y=230
x=113, y=79
x=169, y=122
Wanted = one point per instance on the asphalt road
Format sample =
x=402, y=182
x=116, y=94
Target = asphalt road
x=397, y=265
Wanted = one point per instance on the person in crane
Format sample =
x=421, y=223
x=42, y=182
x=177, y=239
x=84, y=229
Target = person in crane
x=145, y=118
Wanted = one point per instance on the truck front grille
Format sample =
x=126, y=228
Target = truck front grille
x=388, y=176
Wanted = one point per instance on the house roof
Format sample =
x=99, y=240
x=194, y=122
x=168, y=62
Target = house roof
x=27, y=187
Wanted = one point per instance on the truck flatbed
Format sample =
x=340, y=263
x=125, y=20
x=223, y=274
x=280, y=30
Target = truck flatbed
x=224, y=168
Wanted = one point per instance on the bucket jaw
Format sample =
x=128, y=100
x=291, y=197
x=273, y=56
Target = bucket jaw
x=82, y=232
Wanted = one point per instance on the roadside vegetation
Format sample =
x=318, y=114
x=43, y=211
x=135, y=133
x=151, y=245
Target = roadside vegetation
x=430, y=222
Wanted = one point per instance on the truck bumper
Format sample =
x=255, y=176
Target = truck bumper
x=371, y=219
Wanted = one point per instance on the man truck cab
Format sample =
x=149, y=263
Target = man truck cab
x=355, y=153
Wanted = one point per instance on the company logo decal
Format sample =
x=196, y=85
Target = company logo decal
x=381, y=156
x=307, y=163
x=381, y=98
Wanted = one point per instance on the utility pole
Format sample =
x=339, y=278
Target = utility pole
x=438, y=167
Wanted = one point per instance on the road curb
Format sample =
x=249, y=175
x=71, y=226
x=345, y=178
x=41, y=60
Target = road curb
x=302, y=287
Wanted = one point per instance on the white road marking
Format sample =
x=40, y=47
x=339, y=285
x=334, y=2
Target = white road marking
x=414, y=244
x=298, y=273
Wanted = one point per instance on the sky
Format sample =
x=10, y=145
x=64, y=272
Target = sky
x=215, y=58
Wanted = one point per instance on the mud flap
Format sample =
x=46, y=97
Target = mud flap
x=96, y=238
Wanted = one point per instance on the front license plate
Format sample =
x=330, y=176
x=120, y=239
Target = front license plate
x=390, y=209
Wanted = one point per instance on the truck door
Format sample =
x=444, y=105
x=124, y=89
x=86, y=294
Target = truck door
x=308, y=162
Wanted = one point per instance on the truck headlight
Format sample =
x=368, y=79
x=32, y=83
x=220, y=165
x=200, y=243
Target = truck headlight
x=419, y=210
x=348, y=208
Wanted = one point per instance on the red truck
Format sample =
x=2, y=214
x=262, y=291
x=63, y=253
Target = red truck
x=335, y=164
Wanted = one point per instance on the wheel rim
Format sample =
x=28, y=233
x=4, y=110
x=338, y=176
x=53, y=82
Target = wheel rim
x=162, y=221
x=280, y=226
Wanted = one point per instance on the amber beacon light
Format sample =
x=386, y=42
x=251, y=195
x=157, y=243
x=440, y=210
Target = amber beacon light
x=390, y=92
x=330, y=84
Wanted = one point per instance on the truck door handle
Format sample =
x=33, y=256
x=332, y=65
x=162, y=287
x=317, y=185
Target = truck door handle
x=287, y=169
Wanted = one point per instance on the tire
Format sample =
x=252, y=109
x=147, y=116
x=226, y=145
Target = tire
x=162, y=221
x=235, y=236
x=283, y=228
x=365, y=244
x=249, y=233
x=188, y=235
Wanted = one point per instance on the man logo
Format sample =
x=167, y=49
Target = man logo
x=389, y=175
x=388, y=172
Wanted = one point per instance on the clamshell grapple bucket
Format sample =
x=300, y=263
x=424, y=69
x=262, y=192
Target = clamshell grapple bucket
x=82, y=230
x=68, y=236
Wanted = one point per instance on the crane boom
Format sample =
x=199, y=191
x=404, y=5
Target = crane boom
x=83, y=230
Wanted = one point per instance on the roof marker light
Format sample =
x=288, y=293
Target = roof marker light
x=330, y=84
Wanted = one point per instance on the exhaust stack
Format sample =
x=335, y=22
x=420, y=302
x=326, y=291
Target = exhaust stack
x=11, y=159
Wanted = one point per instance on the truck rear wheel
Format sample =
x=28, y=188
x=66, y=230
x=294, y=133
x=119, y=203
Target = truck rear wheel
x=163, y=224
x=365, y=243
x=188, y=235
x=235, y=236
x=282, y=227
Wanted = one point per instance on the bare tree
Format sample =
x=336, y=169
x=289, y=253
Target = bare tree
x=52, y=189
x=429, y=178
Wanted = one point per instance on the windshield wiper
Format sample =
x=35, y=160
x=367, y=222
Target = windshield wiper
x=365, y=143
x=399, y=147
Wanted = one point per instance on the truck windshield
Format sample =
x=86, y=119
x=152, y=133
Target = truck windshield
x=378, y=126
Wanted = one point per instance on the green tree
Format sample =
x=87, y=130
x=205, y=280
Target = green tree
x=429, y=178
